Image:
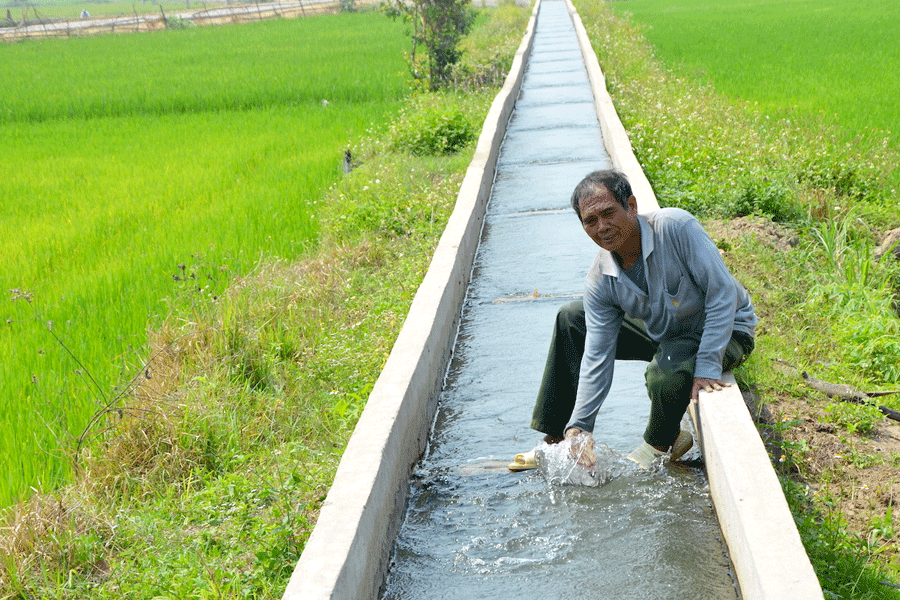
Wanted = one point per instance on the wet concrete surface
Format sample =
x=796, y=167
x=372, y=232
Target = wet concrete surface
x=473, y=529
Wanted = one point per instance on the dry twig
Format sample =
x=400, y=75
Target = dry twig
x=848, y=393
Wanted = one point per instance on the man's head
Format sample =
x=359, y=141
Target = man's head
x=614, y=181
x=608, y=212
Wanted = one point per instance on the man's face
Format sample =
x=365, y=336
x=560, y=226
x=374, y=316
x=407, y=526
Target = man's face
x=607, y=222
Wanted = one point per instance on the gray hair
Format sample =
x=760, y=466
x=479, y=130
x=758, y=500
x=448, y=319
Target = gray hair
x=612, y=180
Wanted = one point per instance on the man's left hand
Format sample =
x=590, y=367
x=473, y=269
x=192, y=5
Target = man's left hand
x=707, y=385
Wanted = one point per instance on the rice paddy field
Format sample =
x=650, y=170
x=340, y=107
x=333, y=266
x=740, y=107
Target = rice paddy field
x=64, y=9
x=834, y=59
x=142, y=173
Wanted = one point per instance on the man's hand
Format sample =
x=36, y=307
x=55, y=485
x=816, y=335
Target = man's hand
x=572, y=432
x=707, y=385
x=582, y=448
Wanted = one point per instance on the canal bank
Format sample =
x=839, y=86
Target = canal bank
x=538, y=117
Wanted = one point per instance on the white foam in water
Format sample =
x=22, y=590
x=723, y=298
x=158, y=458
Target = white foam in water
x=579, y=461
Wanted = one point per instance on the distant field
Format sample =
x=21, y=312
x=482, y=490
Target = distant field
x=283, y=63
x=131, y=163
x=65, y=9
x=837, y=57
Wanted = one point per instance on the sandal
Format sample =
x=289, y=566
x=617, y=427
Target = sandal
x=523, y=462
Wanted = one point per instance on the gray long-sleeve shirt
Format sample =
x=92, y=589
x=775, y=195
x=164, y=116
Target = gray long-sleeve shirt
x=691, y=292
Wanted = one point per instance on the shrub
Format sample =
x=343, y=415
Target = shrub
x=434, y=124
x=770, y=198
x=178, y=23
x=845, y=179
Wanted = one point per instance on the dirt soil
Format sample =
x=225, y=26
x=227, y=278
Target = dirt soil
x=859, y=471
x=773, y=234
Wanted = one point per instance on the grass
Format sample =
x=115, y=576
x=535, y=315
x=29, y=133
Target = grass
x=825, y=306
x=204, y=477
x=209, y=484
x=136, y=181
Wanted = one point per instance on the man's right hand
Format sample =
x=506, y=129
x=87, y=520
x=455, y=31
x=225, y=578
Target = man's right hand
x=582, y=448
x=572, y=432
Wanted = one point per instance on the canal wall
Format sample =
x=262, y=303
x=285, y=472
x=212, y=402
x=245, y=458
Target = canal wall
x=347, y=554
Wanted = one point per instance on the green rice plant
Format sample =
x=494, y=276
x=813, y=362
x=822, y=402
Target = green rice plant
x=338, y=59
x=112, y=222
x=725, y=156
x=101, y=270
x=805, y=57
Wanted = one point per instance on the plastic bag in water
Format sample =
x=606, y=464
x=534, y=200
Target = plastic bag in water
x=576, y=461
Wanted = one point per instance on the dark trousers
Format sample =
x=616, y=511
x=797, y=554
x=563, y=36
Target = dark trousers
x=669, y=376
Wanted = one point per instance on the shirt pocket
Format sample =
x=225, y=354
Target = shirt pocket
x=682, y=298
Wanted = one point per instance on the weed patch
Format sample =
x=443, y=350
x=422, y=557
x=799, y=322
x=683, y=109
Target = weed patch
x=435, y=124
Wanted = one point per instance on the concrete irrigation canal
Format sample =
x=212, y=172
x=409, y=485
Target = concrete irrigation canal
x=432, y=511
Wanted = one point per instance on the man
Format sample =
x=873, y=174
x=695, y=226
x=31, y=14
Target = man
x=657, y=291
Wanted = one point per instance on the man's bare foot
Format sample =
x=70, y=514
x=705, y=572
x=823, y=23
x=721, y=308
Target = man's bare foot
x=549, y=439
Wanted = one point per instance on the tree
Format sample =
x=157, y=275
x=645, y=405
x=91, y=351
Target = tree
x=438, y=26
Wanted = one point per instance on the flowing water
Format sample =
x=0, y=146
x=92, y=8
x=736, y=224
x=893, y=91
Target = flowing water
x=472, y=529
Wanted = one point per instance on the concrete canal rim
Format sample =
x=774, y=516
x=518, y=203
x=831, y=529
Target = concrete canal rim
x=347, y=554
